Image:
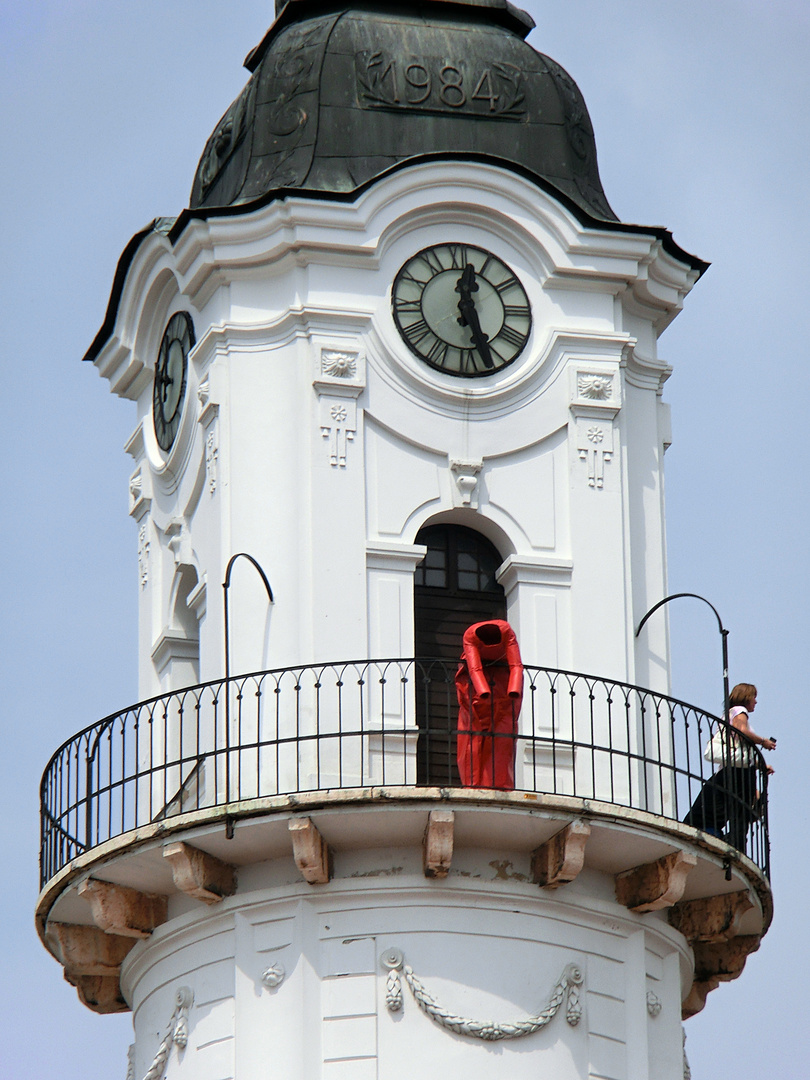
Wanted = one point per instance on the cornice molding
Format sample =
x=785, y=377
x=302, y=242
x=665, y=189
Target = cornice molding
x=173, y=645
x=534, y=570
x=390, y=555
x=298, y=231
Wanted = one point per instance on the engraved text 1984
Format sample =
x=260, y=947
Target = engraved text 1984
x=436, y=84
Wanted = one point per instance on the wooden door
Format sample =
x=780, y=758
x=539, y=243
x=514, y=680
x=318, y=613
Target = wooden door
x=454, y=587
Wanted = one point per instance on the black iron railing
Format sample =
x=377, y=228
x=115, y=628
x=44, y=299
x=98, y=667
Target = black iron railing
x=373, y=723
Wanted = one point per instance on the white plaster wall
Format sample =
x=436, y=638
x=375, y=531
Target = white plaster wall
x=486, y=944
x=310, y=470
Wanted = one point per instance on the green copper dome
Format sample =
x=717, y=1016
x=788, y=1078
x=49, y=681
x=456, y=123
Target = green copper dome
x=340, y=93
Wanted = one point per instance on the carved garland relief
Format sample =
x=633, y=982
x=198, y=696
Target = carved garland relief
x=209, y=411
x=211, y=455
x=567, y=989
x=687, y=1072
x=653, y=1004
x=143, y=555
x=176, y=1035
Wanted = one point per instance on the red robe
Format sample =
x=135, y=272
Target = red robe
x=489, y=687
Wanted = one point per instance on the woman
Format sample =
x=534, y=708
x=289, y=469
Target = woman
x=729, y=795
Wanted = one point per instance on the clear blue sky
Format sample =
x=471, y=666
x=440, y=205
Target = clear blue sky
x=701, y=110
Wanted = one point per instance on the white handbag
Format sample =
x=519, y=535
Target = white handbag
x=726, y=748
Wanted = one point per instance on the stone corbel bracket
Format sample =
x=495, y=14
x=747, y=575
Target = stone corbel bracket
x=438, y=843
x=716, y=963
x=711, y=926
x=724, y=960
x=711, y=919
x=87, y=950
x=118, y=909
x=100, y=993
x=92, y=955
x=310, y=851
x=655, y=885
x=198, y=874
x=92, y=961
x=559, y=860
x=695, y=1000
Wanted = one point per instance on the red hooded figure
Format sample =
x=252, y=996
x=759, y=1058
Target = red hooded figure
x=489, y=686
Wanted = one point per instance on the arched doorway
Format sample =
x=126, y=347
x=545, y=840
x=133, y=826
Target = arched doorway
x=454, y=586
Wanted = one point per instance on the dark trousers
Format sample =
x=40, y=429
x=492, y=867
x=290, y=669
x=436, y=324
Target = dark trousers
x=727, y=798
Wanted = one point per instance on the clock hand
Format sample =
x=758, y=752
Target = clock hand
x=165, y=381
x=465, y=287
x=481, y=340
x=466, y=284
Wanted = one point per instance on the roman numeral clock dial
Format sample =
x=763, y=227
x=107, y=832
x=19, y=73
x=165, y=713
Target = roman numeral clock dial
x=171, y=370
x=461, y=310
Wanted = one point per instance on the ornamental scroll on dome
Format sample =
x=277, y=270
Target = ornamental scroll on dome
x=229, y=134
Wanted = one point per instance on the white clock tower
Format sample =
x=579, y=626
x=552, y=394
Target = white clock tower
x=396, y=373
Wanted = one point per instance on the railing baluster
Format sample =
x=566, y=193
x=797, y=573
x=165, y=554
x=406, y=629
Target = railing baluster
x=149, y=761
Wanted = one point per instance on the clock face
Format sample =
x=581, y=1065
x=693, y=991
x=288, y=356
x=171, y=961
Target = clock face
x=461, y=310
x=169, y=389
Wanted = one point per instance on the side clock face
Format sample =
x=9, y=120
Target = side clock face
x=461, y=310
x=171, y=369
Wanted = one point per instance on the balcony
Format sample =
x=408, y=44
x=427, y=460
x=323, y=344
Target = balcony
x=381, y=729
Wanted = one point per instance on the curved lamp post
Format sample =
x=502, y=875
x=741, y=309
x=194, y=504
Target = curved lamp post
x=723, y=635
x=226, y=584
